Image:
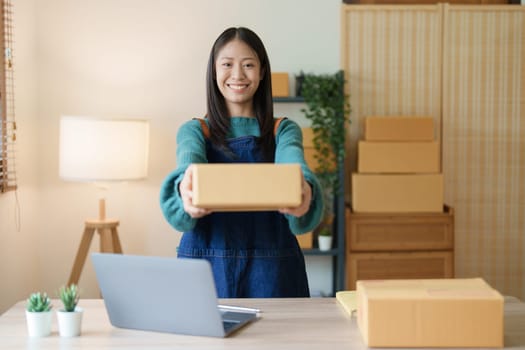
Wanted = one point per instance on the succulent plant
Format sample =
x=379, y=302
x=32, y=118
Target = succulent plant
x=69, y=296
x=38, y=302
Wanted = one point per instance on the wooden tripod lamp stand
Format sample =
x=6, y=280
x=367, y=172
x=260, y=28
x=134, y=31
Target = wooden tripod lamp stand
x=101, y=150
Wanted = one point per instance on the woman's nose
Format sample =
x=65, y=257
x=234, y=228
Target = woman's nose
x=237, y=71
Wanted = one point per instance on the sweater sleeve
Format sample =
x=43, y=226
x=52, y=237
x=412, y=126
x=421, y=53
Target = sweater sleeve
x=289, y=149
x=191, y=148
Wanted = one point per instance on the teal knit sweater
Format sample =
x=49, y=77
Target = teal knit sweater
x=191, y=148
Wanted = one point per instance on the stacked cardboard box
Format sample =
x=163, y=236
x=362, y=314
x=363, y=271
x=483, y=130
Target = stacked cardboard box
x=280, y=84
x=306, y=240
x=398, y=167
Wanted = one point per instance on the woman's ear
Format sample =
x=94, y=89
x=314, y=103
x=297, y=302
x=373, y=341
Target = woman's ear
x=263, y=70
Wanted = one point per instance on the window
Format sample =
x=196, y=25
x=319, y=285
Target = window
x=7, y=115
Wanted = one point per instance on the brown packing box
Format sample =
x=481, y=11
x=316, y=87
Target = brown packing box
x=398, y=157
x=309, y=150
x=240, y=187
x=396, y=193
x=305, y=240
x=430, y=313
x=308, y=137
x=280, y=84
x=403, y=128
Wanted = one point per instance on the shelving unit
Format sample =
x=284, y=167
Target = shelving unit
x=338, y=252
x=291, y=99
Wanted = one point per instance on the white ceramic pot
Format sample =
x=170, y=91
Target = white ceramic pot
x=325, y=243
x=39, y=323
x=70, y=323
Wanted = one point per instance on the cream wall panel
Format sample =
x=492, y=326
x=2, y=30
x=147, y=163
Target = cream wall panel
x=484, y=141
x=392, y=58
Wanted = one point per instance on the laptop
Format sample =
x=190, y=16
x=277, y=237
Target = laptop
x=165, y=294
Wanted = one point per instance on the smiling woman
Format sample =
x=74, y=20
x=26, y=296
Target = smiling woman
x=7, y=117
x=253, y=253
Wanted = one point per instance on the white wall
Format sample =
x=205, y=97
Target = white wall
x=136, y=59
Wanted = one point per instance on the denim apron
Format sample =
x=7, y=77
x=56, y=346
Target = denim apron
x=252, y=254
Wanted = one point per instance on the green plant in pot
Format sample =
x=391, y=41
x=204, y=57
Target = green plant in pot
x=38, y=315
x=328, y=110
x=70, y=317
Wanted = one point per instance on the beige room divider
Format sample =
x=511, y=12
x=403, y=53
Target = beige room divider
x=464, y=66
x=484, y=140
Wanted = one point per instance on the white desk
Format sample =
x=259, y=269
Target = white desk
x=316, y=323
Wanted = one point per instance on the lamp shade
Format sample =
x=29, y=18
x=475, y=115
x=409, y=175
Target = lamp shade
x=93, y=149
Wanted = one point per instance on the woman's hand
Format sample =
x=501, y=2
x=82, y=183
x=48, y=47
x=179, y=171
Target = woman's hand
x=186, y=193
x=305, y=203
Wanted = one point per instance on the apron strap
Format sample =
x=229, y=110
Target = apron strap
x=206, y=129
x=276, y=125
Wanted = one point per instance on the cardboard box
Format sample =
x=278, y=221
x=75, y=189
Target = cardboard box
x=376, y=193
x=242, y=187
x=305, y=240
x=398, y=157
x=403, y=128
x=309, y=150
x=308, y=137
x=280, y=84
x=430, y=313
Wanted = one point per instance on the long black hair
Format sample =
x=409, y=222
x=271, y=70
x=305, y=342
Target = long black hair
x=217, y=112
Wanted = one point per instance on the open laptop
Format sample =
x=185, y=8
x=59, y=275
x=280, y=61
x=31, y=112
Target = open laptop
x=165, y=295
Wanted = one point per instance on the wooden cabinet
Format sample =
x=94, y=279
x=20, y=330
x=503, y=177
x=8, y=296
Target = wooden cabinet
x=405, y=245
x=426, y=2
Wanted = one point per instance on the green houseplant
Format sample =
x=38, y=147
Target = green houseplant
x=70, y=317
x=38, y=315
x=328, y=110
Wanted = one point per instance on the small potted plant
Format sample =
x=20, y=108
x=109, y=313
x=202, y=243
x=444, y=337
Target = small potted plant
x=38, y=315
x=70, y=317
x=324, y=239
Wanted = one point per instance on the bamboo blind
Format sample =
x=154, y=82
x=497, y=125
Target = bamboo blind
x=465, y=66
x=7, y=115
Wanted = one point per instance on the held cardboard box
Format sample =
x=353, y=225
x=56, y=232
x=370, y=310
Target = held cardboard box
x=429, y=313
x=241, y=187
x=398, y=157
x=395, y=193
x=403, y=128
x=280, y=84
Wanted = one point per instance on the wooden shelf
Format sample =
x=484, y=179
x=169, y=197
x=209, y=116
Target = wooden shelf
x=291, y=99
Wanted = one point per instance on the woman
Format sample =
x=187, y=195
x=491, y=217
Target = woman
x=252, y=254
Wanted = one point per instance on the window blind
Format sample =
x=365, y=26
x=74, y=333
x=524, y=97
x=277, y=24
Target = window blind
x=7, y=117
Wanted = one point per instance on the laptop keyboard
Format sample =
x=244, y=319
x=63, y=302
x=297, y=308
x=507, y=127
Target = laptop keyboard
x=228, y=325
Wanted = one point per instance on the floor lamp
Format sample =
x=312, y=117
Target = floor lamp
x=101, y=151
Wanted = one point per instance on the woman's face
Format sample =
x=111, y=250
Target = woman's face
x=238, y=72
